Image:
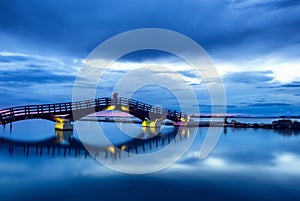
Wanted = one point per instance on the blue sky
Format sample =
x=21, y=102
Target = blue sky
x=254, y=44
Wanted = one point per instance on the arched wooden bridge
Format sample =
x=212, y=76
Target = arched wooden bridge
x=76, y=110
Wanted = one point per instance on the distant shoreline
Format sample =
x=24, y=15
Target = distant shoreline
x=216, y=116
x=281, y=123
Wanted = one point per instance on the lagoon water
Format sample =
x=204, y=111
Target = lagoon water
x=246, y=164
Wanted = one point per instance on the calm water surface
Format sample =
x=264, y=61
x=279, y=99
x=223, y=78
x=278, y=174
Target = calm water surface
x=246, y=164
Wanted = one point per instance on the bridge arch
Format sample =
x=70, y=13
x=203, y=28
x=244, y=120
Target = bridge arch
x=76, y=110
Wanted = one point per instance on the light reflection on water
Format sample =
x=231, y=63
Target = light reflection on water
x=246, y=164
x=29, y=130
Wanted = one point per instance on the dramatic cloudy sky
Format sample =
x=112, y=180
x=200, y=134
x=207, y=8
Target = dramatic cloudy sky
x=255, y=45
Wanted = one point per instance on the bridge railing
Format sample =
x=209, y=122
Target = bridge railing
x=67, y=107
x=34, y=109
x=131, y=103
x=57, y=107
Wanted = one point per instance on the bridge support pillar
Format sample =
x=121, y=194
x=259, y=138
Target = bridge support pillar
x=183, y=121
x=63, y=124
x=151, y=124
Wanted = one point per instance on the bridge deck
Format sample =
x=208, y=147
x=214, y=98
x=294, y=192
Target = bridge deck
x=77, y=110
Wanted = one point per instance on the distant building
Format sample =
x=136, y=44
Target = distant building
x=282, y=124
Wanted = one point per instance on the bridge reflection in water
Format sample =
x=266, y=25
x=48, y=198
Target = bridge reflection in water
x=150, y=140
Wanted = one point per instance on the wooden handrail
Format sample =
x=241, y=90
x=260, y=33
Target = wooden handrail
x=30, y=111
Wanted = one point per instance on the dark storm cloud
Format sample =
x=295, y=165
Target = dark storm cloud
x=291, y=85
x=12, y=58
x=76, y=27
x=28, y=73
x=144, y=55
x=283, y=87
x=282, y=4
x=189, y=74
x=249, y=77
x=27, y=77
x=268, y=104
x=267, y=5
